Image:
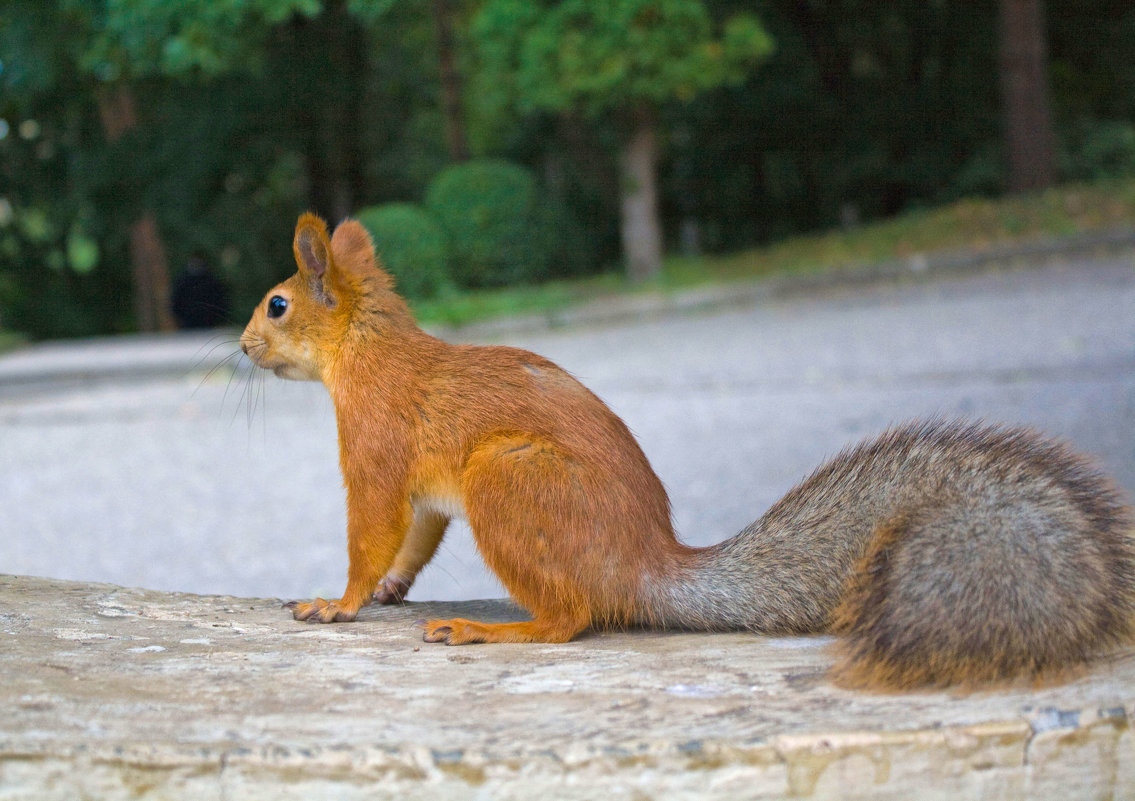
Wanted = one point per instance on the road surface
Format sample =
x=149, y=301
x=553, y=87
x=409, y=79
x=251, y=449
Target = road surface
x=228, y=482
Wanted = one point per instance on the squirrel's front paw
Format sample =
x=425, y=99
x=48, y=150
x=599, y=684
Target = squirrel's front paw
x=321, y=611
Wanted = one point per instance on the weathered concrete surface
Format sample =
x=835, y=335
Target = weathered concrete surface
x=117, y=693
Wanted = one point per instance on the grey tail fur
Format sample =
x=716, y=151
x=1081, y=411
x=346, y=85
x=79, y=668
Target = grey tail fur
x=944, y=552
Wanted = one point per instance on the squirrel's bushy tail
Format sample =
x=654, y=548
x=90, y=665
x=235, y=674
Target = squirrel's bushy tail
x=942, y=553
x=984, y=590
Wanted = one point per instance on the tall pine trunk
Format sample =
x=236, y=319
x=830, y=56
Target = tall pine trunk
x=148, y=261
x=641, y=226
x=1029, y=139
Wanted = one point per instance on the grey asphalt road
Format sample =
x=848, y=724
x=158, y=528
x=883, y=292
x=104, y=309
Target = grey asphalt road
x=229, y=482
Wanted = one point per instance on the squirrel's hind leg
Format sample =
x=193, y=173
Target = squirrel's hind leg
x=421, y=543
x=542, y=524
x=462, y=632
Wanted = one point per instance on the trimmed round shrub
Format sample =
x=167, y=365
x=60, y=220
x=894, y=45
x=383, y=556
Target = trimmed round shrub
x=490, y=212
x=411, y=247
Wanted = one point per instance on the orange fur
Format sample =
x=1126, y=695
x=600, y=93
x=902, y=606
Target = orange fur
x=544, y=472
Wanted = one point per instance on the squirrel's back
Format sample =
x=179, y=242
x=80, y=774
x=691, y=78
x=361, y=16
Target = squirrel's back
x=942, y=552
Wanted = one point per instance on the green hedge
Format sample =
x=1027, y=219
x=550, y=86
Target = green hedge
x=490, y=212
x=410, y=245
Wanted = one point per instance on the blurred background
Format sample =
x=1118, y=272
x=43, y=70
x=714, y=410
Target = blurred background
x=530, y=157
x=494, y=143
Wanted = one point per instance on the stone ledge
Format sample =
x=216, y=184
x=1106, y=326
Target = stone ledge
x=121, y=693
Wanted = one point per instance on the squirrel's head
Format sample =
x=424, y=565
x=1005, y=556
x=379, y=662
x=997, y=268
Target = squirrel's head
x=298, y=328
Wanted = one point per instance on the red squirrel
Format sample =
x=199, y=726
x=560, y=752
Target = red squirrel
x=942, y=552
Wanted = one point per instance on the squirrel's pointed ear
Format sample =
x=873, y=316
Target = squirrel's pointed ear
x=311, y=246
x=353, y=250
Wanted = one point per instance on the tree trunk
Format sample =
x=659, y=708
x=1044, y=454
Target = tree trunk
x=331, y=55
x=1029, y=139
x=641, y=227
x=151, y=275
x=455, y=138
x=148, y=261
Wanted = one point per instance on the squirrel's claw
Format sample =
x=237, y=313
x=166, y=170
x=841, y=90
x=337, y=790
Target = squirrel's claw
x=436, y=630
x=439, y=634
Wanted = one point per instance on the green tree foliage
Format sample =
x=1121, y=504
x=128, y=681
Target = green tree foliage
x=601, y=57
x=863, y=110
x=52, y=235
x=411, y=246
x=231, y=142
x=129, y=39
x=248, y=112
x=625, y=57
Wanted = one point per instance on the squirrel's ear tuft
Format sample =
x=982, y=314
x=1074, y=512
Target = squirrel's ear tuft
x=312, y=250
x=353, y=250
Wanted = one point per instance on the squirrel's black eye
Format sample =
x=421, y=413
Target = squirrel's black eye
x=277, y=306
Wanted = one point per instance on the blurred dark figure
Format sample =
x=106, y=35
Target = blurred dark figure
x=200, y=299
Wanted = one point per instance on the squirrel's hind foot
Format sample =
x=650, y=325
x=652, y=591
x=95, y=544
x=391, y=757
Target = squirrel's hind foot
x=391, y=590
x=459, y=631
